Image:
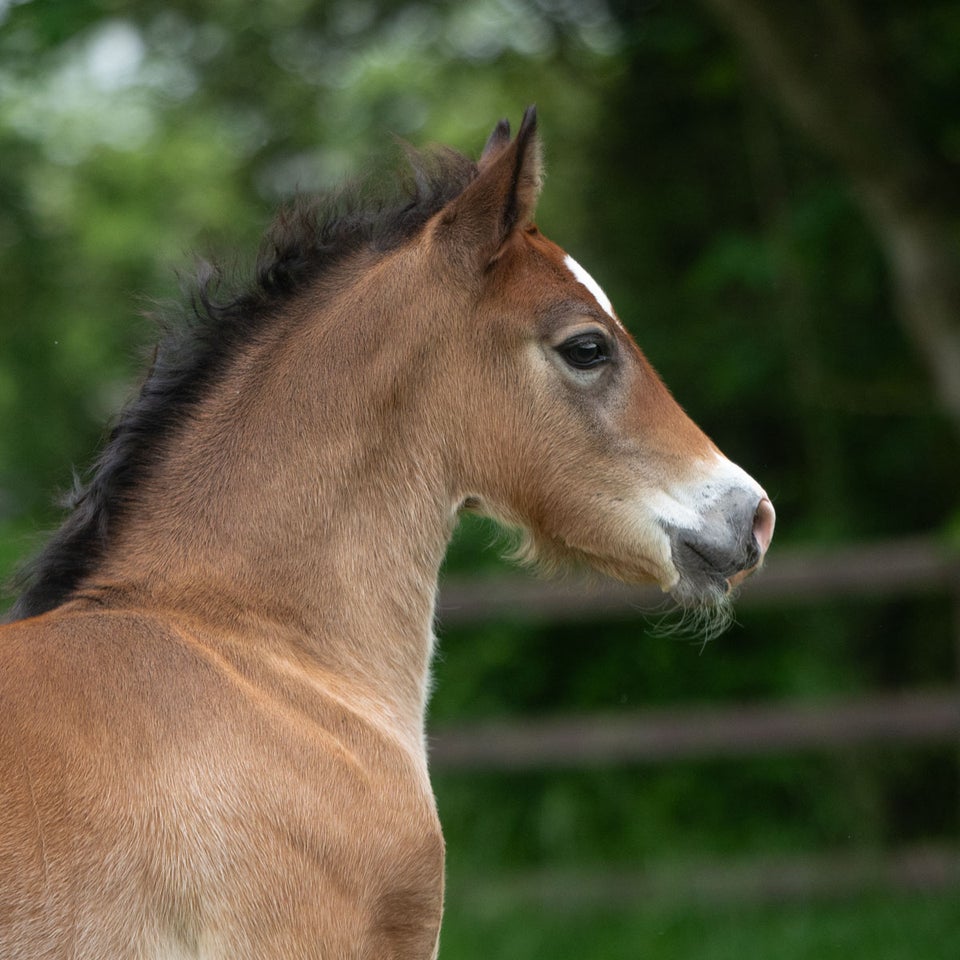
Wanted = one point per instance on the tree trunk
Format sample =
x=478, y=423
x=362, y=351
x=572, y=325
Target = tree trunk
x=818, y=59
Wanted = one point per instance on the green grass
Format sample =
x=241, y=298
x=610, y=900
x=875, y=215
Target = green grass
x=877, y=927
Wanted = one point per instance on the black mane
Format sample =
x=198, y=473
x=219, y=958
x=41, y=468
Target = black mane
x=307, y=239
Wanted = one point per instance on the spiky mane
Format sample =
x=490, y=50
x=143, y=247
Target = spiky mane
x=307, y=239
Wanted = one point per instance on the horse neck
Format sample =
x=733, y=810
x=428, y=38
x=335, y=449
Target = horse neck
x=327, y=539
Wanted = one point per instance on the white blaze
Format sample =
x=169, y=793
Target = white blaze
x=584, y=278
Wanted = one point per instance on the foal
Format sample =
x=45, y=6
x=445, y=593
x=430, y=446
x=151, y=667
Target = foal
x=212, y=692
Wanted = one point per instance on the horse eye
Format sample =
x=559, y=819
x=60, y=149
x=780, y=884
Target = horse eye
x=585, y=351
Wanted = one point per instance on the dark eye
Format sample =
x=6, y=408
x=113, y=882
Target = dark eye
x=584, y=351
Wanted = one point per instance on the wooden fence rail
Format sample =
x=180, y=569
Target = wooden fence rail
x=698, y=732
x=835, y=875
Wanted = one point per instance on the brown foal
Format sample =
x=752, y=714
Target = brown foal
x=212, y=688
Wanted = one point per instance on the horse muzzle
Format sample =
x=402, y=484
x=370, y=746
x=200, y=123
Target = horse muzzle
x=727, y=545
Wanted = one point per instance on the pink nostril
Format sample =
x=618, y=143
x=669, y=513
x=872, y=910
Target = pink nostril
x=763, y=523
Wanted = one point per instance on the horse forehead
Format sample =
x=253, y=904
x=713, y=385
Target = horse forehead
x=569, y=268
x=585, y=279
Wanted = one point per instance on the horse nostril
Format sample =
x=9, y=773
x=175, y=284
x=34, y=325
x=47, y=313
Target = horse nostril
x=764, y=521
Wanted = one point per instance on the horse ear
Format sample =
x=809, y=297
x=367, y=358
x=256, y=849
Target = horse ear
x=502, y=198
x=498, y=140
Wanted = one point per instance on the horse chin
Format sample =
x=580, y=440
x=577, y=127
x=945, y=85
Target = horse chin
x=703, y=611
x=702, y=589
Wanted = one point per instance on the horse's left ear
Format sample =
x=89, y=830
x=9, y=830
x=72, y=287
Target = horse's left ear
x=502, y=198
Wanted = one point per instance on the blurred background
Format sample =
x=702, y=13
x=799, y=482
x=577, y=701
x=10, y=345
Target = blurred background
x=769, y=193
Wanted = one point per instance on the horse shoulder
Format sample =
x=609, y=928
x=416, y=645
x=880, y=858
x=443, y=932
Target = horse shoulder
x=146, y=773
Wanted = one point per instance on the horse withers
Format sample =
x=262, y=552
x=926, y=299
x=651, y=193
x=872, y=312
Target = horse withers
x=213, y=683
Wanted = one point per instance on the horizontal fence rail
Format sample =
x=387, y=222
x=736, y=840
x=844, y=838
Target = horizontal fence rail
x=916, y=870
x=893, y=568
x=696, y=733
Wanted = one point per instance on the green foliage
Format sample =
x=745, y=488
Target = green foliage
x=883, y=928
x=134, y=135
